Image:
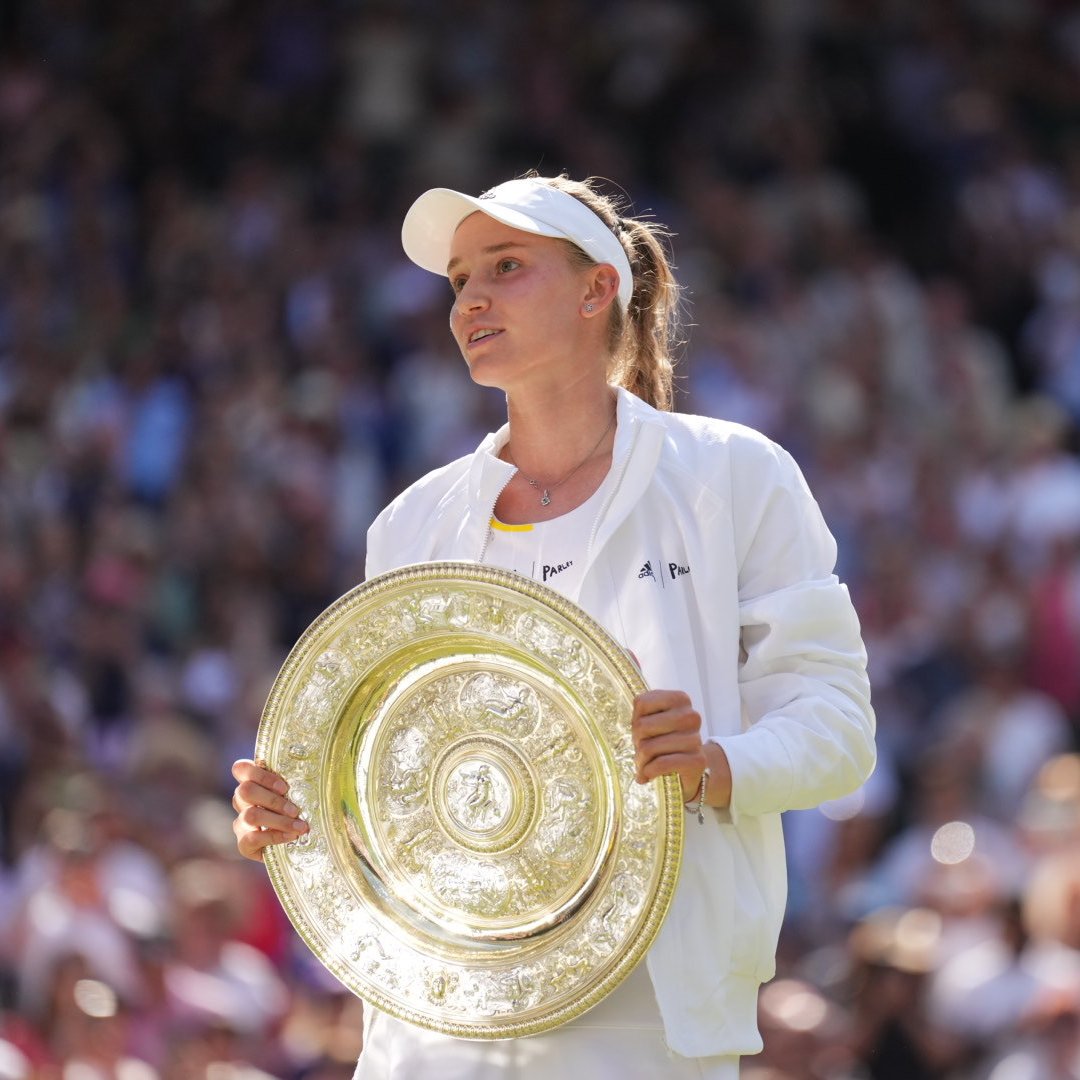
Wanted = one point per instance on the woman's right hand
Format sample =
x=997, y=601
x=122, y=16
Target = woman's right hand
x=264, y=814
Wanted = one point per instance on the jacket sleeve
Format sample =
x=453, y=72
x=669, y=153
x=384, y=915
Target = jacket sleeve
x=808, y=726
x=378, y=559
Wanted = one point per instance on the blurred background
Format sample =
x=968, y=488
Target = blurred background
x=216, y=366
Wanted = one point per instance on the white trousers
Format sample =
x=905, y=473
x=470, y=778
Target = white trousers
x=620, y=1039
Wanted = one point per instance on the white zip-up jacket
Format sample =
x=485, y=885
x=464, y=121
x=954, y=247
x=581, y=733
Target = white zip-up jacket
x=710, y=561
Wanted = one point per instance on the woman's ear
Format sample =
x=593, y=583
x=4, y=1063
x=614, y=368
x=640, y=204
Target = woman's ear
x=602, y=288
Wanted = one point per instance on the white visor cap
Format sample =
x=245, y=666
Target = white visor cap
x=529, y=205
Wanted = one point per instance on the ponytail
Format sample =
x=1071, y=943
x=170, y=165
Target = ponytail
x=642, y=339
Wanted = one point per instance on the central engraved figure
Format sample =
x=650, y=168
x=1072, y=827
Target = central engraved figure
x=478, y=795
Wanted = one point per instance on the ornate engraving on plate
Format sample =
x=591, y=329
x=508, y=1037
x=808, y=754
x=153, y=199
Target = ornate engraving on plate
x=457, y=739
x=481, y=798
x=483, y=794
x=478, y=796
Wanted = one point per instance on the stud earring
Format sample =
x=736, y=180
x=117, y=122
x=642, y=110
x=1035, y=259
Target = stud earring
x=588, y=308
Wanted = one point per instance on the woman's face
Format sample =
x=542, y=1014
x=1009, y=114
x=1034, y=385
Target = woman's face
x=518, y=308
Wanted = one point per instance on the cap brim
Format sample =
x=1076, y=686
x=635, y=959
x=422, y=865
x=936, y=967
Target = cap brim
x=428, y=229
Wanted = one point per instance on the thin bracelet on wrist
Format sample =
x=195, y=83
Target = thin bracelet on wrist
x=698, y=804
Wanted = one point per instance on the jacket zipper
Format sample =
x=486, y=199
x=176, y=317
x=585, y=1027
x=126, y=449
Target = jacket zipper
x=491, y=514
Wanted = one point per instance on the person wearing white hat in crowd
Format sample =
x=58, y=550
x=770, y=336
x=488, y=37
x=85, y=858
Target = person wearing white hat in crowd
x=695, y=543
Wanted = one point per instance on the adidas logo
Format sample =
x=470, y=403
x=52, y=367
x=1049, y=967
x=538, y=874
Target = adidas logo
x=646, y=571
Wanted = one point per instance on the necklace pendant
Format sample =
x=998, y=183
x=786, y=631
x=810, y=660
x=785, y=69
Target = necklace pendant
x=545, y=499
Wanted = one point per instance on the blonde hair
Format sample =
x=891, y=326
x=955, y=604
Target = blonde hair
x=641, y=341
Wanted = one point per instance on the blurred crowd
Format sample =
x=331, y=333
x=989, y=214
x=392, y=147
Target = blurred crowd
x=216, y=366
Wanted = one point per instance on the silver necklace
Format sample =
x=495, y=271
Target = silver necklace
x=547, y=489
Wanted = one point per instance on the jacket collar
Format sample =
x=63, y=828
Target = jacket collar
x=639, y=437
x=488, y=473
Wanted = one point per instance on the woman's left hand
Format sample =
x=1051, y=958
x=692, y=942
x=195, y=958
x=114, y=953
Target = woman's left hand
x=666, y=729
